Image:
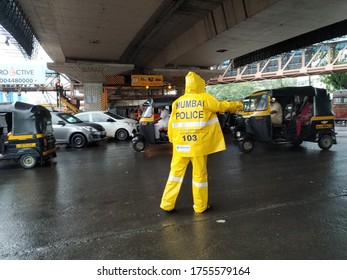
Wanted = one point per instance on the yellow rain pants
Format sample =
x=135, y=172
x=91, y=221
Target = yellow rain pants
x=199, y=182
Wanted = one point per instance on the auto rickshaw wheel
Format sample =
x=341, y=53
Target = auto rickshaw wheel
x=121, y=134
x=325, y=142
x=28, y=161
x=78, y=141
x=246, y=145
x=139, y=146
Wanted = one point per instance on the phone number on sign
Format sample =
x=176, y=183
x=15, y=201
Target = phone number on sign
x=16, y=81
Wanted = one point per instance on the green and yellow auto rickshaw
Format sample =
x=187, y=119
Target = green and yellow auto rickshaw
x=254, y=123
x=26, y=134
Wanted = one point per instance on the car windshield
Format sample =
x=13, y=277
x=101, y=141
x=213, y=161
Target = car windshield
x=69, y=118
x=255, y=103
x=117, y=117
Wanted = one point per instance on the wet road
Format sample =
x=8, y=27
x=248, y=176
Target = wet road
x=278, y=202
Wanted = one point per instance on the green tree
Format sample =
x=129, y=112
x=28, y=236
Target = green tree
x=234, y=91
x=237, y=91
x=335, y=81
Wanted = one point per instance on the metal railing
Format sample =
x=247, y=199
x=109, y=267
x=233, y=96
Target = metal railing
x=318, y=59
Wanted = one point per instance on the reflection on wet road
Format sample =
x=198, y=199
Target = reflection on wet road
x=102, y=202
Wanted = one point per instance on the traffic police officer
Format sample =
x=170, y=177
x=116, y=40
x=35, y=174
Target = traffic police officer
x=195, y=132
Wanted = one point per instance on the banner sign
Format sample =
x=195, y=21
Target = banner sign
x=22, y=74
x=147, y=80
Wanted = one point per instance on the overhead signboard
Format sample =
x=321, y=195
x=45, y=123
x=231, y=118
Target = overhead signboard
x=22, y=74
x=147, y=80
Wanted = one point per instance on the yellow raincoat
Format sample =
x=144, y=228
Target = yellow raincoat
x=195, y=132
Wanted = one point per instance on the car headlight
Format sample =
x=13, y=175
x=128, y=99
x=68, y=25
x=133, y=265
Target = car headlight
x=130, y=123
x=89, y=128
x=238, y=134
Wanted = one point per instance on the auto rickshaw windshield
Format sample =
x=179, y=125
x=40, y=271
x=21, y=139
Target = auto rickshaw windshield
x=255, y=103
x=147, y=113
x=43, y=124
x=49, y=126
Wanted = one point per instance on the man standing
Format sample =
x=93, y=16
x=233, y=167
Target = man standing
x=195, y=133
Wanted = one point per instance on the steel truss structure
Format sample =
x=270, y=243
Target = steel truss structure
x=20, y=31
x=318, y=59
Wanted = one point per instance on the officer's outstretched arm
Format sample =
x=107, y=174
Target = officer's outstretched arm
x=215, y=105
x=235, y=106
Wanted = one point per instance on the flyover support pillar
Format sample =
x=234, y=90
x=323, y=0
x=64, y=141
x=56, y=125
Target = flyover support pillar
x=94, y=97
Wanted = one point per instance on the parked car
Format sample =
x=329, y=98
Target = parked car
x=70, y=130
x=116, y=126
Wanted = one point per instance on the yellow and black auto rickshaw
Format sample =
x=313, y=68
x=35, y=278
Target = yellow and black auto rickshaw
x=254, y=124
x=26, y=134
x=146, y=134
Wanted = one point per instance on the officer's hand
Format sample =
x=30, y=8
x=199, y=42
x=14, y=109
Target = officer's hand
x=239, y=106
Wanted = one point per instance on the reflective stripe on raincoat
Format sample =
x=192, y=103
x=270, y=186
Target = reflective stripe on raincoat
x=194, y=128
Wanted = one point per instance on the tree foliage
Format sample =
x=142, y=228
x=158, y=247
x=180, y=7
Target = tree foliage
x=237, y=91
x=335, y=81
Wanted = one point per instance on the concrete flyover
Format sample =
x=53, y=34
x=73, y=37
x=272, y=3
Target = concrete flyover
x=100, y=38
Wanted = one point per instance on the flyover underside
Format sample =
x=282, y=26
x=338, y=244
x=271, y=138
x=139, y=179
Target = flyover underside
x=322, y=34
x=14, y=21
x=151, y=36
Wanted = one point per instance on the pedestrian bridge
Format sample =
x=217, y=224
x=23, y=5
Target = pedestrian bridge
x=318, y=59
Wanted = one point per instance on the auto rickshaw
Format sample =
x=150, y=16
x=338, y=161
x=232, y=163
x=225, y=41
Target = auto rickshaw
x=146, y=134
x=253, y=123
x=26, y=134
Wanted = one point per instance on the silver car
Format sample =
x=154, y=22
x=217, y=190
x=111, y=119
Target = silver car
x=70, y=130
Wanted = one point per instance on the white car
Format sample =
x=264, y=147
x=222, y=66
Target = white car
x=116, y=126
